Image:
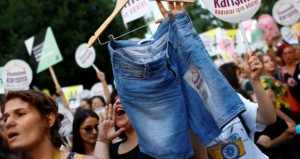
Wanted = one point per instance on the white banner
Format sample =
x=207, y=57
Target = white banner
x=135, y=9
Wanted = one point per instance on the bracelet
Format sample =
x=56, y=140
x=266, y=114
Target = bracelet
x=107, y=142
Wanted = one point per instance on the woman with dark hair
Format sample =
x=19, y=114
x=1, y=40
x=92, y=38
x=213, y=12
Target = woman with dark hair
x=291, y=69
x=114, y=123
x=85, y=131
x=86, y=103
x=31, y=123
x=98, y=103
x=232, y=72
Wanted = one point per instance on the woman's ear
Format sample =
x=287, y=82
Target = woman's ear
x=51, y=120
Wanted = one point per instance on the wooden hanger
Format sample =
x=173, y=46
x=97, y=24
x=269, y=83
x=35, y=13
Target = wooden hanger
x=120, y=4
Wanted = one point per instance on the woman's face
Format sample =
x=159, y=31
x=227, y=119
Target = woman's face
x=122, y=120
x=88, y=130
x=97, y=103
x=84, y=104
x=288, y=54
x=23, y=125
x=268, y=64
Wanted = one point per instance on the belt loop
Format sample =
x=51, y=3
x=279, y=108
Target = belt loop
x=146, y=70
x=171, y=16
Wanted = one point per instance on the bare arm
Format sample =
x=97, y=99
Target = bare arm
x=101, y=77
x=284, y=138
x=101, y=150
x=290, y=122
x=266, y=113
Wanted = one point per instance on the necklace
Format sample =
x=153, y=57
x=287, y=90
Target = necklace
x=58, y=154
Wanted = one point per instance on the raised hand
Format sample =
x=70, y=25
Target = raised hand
x=253, y=66
x=106, y=128
x=175, y=8
x=100, y=75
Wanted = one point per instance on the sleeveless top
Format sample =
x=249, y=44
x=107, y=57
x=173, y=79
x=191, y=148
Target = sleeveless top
x=293, y=81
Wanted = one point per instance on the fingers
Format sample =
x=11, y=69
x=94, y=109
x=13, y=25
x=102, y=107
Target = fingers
x=105, y=114
x=113, y=113
x=184, y=6
x=159, y=21
x=100, y=117
x=119, y=131
x=171, y=5
x=178, y=6
x=110, y=112
x=162, y=8
x=252, y=53
x=246, y=56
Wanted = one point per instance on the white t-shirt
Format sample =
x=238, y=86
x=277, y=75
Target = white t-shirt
x=234, y=141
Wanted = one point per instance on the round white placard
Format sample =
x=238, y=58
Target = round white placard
x=286, y=12
x=16, y=75
x=85, y=56
x=288, y=35
x=232, y=11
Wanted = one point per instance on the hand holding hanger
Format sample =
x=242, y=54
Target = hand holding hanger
x=178, y=7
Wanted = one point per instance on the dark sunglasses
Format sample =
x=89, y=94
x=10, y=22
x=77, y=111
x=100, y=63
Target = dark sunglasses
x=89, y=129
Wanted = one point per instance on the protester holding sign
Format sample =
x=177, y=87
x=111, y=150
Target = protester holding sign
x=31, y=123
x=98, y=102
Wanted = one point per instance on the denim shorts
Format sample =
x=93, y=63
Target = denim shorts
x=170, y=84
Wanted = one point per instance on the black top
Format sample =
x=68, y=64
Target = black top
x=133, y=154
x=295, y=85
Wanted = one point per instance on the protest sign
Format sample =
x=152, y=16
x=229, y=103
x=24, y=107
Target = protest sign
x=67, y=123
x=135, y=9
x=2, y=90
x=71, y=94
x=97, y=90
x=286, y=12
x=267, y=23
x=226, y=44
x=43, y=50
x=85, y=56
x=16, y=75
x=232, y=11
x=296, y=28
x=288, y=35
x=208, y=43
x=84, y=94
x=257, y=39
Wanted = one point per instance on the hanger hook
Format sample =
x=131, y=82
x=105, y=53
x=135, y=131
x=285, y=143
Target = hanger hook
x=101, y=42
